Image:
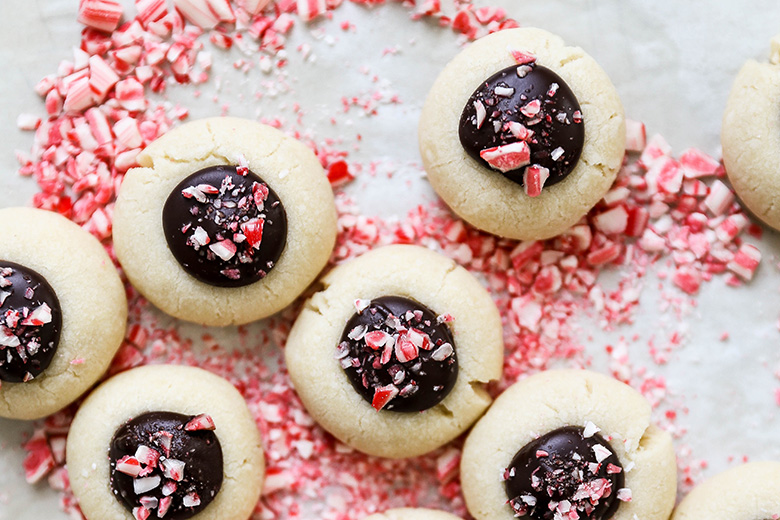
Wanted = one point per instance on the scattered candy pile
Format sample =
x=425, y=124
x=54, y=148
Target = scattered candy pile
x=662, y=210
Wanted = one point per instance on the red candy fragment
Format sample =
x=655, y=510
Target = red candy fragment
x=508, y=157
x=39, y=460
x=534, y=178
x=383, y=395
x=522, y=58
x=253, y=230
x=103, y=15
x=201, y=422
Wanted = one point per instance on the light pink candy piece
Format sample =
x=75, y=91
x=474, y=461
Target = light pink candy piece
x=636, y=136
x=103, y=15
x=745, y=262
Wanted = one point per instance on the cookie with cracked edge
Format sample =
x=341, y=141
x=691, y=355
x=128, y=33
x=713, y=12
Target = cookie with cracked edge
x=259, y=245
x=492, y=193
x=750, y=136
x=316, y=359
x=211, y=407
x=559, y=435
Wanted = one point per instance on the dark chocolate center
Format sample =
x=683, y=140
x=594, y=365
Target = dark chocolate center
x=537, y=109
x=564, y=471
x=30, y=323
x=166, y=463
x=398, y=355
x=225, y=228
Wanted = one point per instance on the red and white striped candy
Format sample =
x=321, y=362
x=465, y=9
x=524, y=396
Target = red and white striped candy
x=605, y=254
x=101, y=76
x=383, y=395
x=521, y=57
x=173, y=469
x=613, y=221
x=150, y=10
x=687, y=278
x=405, y=349
x=253, y=6
x=164, y=506
x=39, y=460
x=719, y=199
x=79, y=96
x=129, y=466
x=731, y=227
x=197, y=12
x=745, y=262
x=311, y=9
x=508, y=157
x=200, y=422
x=636, y=136
x=126, y=131
x=130, y=94
x=534, y=178
x=103, y=15
x=141, y=513
x=225, y=249
x=696, y=163
x=253, y=230
x=223, y=10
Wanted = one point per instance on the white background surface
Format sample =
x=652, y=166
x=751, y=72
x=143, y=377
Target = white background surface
x=672, y=63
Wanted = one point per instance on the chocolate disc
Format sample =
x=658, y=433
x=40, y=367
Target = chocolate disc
x=225, y=228
x=564, y=471
x=167, y=463
x=30, y=323
x=528, y=104
x=398, y=356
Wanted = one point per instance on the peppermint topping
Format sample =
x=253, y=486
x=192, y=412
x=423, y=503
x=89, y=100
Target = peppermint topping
x=164, y=464
x=524, y=118
x=30, y=323
x=398, y=355
x=565, y=475
x=225, y=226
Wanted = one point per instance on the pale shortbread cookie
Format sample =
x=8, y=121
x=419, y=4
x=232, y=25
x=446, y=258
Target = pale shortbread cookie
x=92, y=299
x=410, y=513
x=747, y=492
x=179, y=389
x=554, y=399
x=750, y=137
x=484, y=197
x=288, y=167
x=432, y=280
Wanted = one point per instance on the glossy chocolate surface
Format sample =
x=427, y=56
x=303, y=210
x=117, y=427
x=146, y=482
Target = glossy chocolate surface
x=30, y=323
x=564, y=469
x=224, y=228
x=558, y=130
x=398, y=356
x=175, y=487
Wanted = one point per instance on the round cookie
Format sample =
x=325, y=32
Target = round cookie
x=523, y=136
x=750, y=137
x=123, y=425
x=226, y=222
x=394, y=351
x=63, y=312
x=748, y=492
x=593, y=428
x=411, y=513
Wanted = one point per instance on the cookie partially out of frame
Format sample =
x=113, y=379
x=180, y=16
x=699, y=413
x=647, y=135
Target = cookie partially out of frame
x=522, y=135
x=748, y=492
x=569, y=440
x=393, y=354
x=226, y=222
x=171, y=440
x=63, y=312
x=750, y=137
x=410, y=513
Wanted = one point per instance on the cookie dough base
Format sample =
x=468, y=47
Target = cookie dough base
x=92, y=299
x=286, y=165
x=751, y=139
x=553, y=399
x=185, y=390
x=747, y=492
x=409, y=513
x=438, y=283
x=485, y=198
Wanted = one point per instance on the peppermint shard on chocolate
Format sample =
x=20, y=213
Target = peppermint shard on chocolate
x=526, y=123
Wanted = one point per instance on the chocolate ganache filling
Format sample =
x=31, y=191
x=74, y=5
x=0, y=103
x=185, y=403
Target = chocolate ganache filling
x=166, y=465
x=225, y=226
x=570, y=469
x=524, y=117
x=398, y=354
x=30, y=323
